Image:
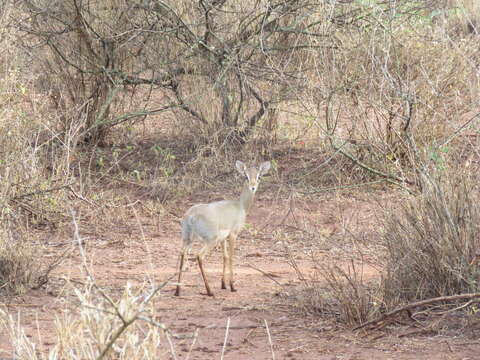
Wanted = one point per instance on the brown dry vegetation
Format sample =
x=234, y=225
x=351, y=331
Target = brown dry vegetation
x=116, y=116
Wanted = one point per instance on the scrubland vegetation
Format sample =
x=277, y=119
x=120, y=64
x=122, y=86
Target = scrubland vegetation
x=156, y=99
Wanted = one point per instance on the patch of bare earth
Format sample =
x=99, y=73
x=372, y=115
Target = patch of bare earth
x=259, y=321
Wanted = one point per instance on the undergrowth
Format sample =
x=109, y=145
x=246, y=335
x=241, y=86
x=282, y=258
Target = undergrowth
x=17, y=275
x=379, y=96
x=432, y=241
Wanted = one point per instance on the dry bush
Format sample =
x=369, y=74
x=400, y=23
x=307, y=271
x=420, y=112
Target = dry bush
x=77, y=62
x=344, y=299
x=339, y=292
x=34, y=159
x=463, y=19
x=17, y=275
x=16, y=257
x=100, y=329
x=193, y=83
x=217, y=67
x=31, y=168
x=394, y=86
x=430, y=248
x=357, y=300
x=433, y=240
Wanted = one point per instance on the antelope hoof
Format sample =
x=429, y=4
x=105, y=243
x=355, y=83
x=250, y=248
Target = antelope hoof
x=223, y=284
x=232, y=288
x=177, y=292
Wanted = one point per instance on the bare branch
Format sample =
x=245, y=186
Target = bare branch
x=418, y=304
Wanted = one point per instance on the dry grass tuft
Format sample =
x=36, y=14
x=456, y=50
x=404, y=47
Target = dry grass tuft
x=102, y=328
x=338, y=292
x=433, y=241
x=17, y=275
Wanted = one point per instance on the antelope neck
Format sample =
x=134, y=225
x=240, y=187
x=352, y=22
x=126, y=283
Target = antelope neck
x=246, y=197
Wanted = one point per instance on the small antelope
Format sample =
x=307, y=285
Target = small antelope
x=219, y=221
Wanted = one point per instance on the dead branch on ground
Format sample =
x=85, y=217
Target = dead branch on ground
x=413, y=305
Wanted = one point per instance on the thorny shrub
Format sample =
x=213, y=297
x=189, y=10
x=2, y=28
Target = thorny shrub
x=17, y=274
x=433, y=241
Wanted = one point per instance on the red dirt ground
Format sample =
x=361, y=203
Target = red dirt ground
x=119, y=256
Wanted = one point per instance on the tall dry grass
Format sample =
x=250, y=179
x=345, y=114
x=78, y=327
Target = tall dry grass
x=432, y=241
x=101, y=329
x=33, y=163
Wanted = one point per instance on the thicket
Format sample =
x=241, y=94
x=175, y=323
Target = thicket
x=382, y=90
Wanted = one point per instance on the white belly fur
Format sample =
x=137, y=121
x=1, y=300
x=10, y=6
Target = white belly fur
x=222, y=234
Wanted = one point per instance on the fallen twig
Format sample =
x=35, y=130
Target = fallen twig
x=270, y=276
x=269, y=339
x=417, y=304
x=236, y=327
x=416, y=332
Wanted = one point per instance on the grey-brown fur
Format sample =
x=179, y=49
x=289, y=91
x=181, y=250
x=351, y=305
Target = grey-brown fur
x=219, y=221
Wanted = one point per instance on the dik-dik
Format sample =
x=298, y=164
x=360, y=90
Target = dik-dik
x=219, y=222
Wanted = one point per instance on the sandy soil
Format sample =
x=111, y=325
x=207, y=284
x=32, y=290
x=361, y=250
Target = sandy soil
x=119, y=256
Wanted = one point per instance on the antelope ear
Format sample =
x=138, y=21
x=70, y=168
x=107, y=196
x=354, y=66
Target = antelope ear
x=240, y=167
x=264, y=167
